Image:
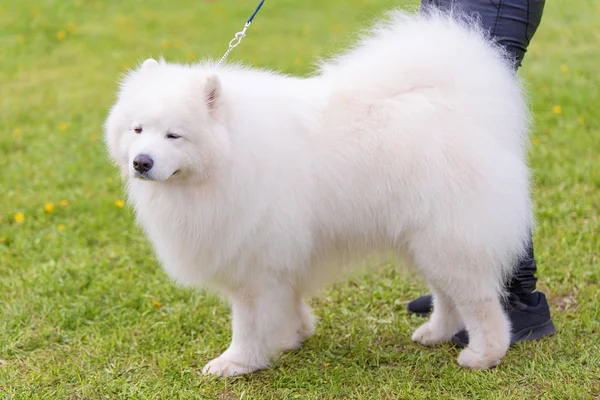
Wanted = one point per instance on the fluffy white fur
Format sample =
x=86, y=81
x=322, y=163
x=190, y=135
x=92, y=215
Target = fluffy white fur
x=409, y=144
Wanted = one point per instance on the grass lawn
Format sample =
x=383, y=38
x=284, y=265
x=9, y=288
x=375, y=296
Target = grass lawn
x=85, y=310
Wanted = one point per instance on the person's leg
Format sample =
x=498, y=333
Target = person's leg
x=512, y=23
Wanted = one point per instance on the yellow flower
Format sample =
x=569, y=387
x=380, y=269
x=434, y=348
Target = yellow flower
x=61, y=35
x=535, y=141
x=20, y=38
x=557, y=110
x=156, y=304
x=63, y=203
x=2, y=239
x=62, y=126
x=17, y=132
x=564, y=68
x=19, y=217
x=119, y=203
x=580, y=120
x=60, y=228
x=48, y=207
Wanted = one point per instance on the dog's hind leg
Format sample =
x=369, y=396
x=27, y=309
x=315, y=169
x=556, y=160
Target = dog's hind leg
x=486, y=323
x=444, y=322
x=474, y=304
x=466, y=290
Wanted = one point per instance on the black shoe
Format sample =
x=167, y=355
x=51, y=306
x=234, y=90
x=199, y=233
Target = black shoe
x=421, y=306
x=530, y=320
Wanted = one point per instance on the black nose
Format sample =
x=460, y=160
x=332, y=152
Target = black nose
x=142, y=163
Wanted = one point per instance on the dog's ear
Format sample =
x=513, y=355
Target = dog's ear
x=212, y=92
x=149, y=64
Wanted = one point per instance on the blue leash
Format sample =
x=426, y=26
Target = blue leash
x=240, y=35
x=255, y=12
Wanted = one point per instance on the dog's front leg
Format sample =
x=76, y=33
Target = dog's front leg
x=265, y=320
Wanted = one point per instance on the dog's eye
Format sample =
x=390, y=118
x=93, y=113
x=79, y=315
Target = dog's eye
x=172, y=136
x=138, y=129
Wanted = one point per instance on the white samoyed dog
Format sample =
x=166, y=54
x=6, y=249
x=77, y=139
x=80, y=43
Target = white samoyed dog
x=264, y=187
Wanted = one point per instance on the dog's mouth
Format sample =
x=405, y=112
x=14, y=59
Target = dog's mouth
x=142, y=175
x=145, y=177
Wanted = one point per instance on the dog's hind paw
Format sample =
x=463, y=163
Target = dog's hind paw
x=428, y=335
x=473, y=360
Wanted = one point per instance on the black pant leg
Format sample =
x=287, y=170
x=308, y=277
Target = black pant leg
x=512, y=23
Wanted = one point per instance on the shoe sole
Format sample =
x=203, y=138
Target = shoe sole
x=525, y=335
x=418, y=314
x=535, y=333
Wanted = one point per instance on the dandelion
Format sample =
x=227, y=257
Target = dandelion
x=564, y=68
x=63, y=126
x=63, y=203
x=48, y=207
x=19, y=217
x=61, y=35
x=156, y=304
x=557, y=110
x=17, y=132
x=20, y=38
x=60, y=228
x=119, y=203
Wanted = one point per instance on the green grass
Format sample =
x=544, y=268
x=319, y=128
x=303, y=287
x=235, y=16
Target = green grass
x=85, y=310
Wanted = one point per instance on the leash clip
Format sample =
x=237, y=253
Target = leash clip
x=237, y=38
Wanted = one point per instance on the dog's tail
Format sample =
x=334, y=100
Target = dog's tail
x=433, y=48
x=441, y=51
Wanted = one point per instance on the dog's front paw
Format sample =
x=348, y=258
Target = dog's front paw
x=224, y=366
x=429, y=335
x=468, y=358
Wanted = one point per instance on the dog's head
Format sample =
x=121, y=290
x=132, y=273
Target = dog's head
x=167, y=124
